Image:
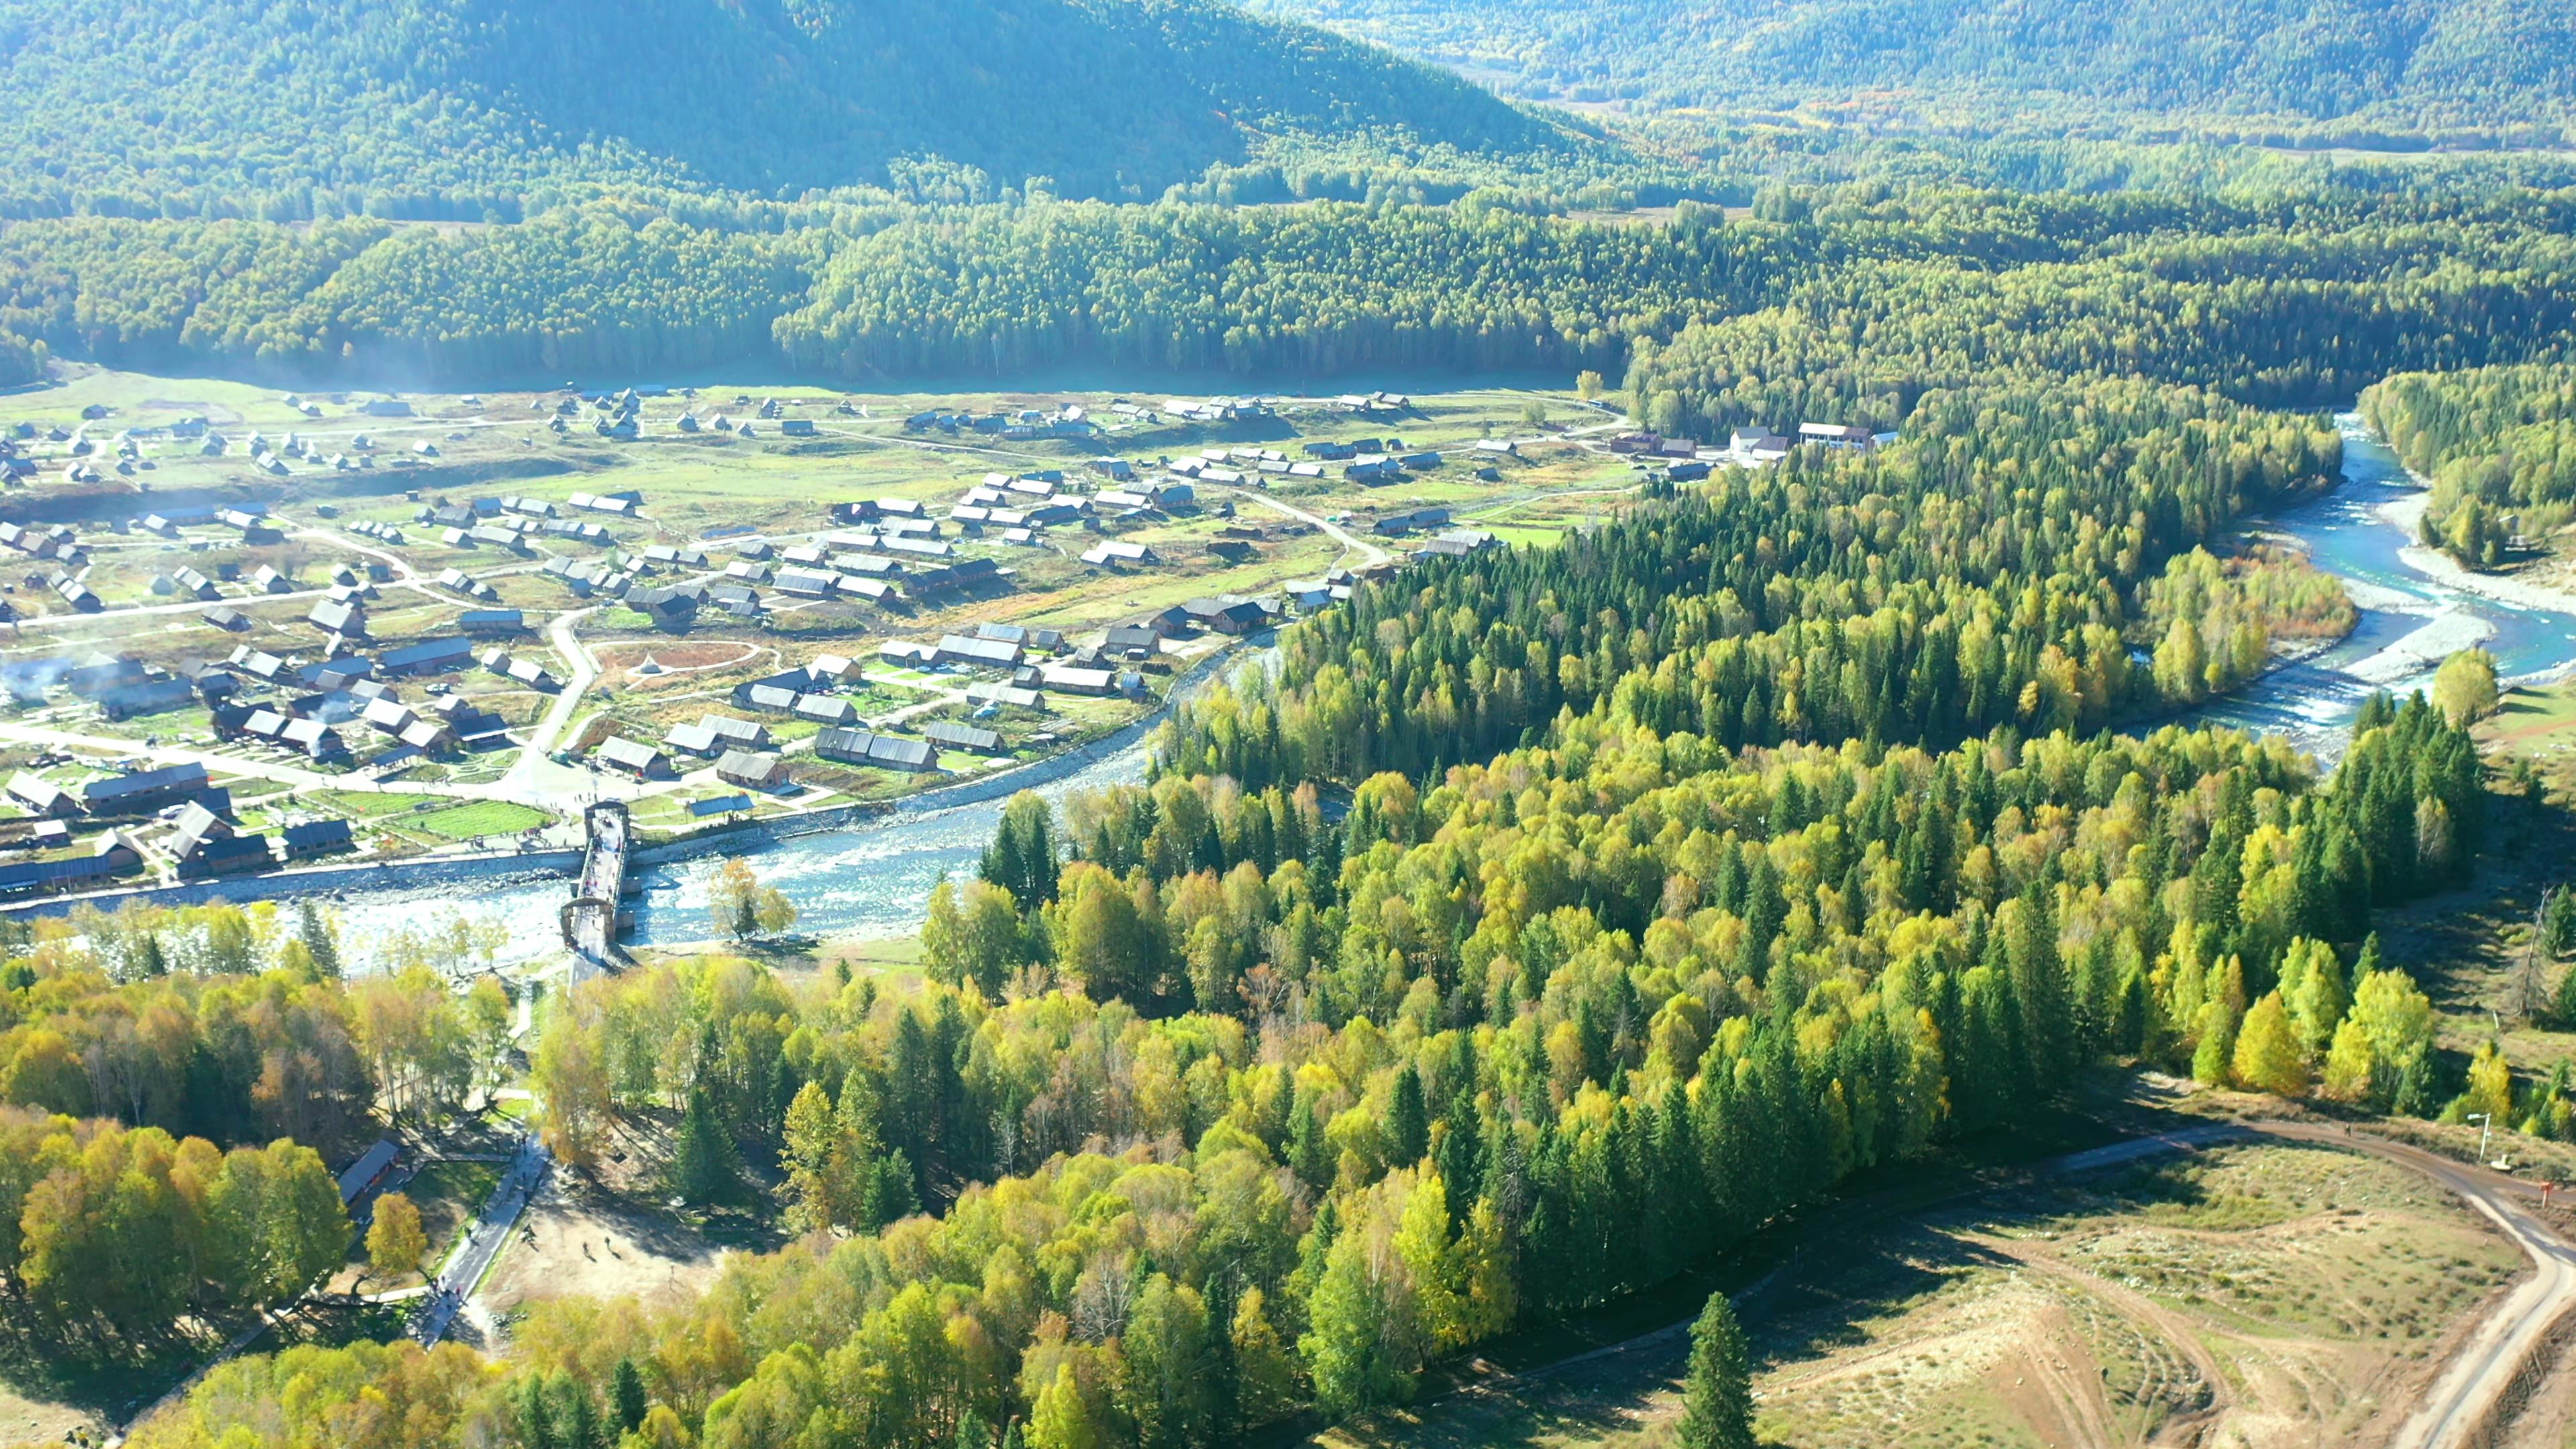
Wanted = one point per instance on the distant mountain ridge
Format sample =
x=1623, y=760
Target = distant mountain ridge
x=151, y=99
x=2424, y=63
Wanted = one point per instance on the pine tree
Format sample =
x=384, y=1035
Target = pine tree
x=1408, y=1126
x=891, y=1198
x=626, y=1393
x=579, y=1418
x=321, y=940
x=705, y=1171
x=537, y=1416
x=2417, y=1089
x=1717, y=1398
x=1307, y=1150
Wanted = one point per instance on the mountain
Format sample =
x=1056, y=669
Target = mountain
x=2425, y=64
x=147, y=106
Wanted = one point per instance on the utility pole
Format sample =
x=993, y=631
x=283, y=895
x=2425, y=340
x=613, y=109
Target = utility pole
x=2530, y=997
x=2486, y=1125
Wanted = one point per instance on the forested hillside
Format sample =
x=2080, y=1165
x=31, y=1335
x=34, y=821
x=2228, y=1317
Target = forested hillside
x=2402, y=65
x=1849, y=303
x=458, y=108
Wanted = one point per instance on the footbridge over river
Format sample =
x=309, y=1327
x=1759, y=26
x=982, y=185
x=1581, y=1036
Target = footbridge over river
x=590, y=920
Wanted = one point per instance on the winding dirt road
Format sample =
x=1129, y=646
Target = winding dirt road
x=2458, y=1410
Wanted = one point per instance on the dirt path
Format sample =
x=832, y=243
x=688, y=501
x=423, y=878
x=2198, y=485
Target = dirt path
x=2457, y=1411
x=458, y=1278
x=1350, y=542
x=2464, y=1395
x=2179, y=1333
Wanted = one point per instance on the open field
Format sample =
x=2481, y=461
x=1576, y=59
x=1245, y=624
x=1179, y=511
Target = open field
x=483, y=817
x=612, y=1232
x=2253, y=1295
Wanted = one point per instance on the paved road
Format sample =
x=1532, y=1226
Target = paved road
x=534, y=773
x=455, y=1282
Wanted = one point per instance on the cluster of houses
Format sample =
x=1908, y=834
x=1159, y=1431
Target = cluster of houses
x=1752, y=446
x=521, y=670
x=318, y=701
x=271, y=455
x=121, y=685
x=507, y=524
x=1336, y=585
x=741, y=748
x=1027, y=660
x=627, y=503
x=1761, y=445
x=1370, y=462
x=1372, y=404
x=892, y=550
x=204, y=839
x=1023, y=425
x=1218, y=411
x=57, y=544
x=1039, y=660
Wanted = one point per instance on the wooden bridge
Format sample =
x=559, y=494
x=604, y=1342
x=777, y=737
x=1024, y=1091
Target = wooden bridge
x=590, y=919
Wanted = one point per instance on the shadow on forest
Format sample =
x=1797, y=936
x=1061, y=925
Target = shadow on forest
x=1819, y=1288
x=110, y=1378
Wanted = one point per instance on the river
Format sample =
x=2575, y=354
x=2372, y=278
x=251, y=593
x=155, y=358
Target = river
x=870, y=879
x=2314, y=701
x=873, y=878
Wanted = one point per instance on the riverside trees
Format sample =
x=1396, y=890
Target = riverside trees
x=109, y=1236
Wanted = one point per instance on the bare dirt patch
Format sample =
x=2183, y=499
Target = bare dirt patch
x=577, y=1240
x=25, y=1420
x=2253, y=1295
x=613, y=1232
x=679, y=662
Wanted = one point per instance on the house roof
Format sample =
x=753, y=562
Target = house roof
x=962, y=737
x=866, y=747
x=190, y=776
x=428, y=651
x=627, y=752
x=747, y=765
x=316, y=834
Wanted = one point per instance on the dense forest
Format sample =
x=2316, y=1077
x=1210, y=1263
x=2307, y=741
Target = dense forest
x=1765, y=834
x=2497, y=443
x=462, y=108
x=2402, y=68
x=1318, y=1103
x=1840, y=303
x=167, y=1090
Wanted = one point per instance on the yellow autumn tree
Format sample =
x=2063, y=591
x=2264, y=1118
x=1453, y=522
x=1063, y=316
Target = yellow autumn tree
x=2268, y=1054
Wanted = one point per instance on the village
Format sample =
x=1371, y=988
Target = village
x=258, y=630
